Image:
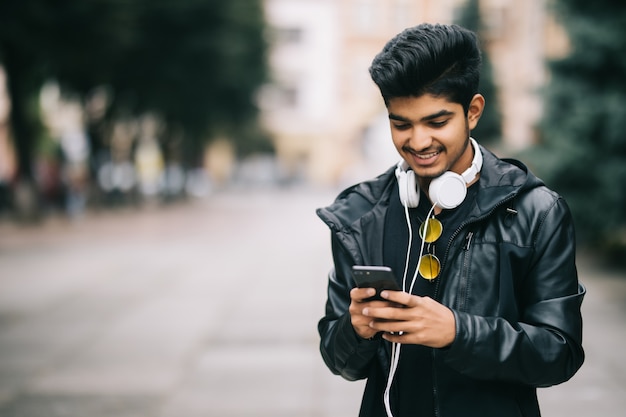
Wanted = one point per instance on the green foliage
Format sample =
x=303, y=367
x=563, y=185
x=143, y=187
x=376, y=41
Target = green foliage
x=583, y=149
x=197, y=63
x=489, y=129
x=194, y=63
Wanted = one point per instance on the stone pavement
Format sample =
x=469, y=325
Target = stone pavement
x=210, y=309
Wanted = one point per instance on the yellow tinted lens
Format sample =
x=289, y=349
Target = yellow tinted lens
x=433, y=230
x=429, y=267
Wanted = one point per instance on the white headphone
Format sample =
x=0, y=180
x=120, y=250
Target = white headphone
x=446, y=191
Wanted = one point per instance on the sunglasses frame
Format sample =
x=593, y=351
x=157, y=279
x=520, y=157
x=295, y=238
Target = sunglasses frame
x=429, y=265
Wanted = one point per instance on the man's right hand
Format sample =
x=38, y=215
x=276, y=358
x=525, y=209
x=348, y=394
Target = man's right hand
x=359, y=301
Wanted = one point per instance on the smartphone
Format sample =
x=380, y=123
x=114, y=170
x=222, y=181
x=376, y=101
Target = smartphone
x=378, y=277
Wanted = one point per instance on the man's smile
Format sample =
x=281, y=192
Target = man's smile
x=423, y=157
x=427, y=155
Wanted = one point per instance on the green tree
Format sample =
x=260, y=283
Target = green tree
x=582, y=153
x=194, y=63
x=68, y=40
x=489, y=130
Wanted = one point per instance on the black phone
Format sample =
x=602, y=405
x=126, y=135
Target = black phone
x=378, y=277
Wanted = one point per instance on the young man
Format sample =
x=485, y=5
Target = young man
x=484, y=252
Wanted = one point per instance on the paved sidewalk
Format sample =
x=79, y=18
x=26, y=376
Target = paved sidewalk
x=210, y=309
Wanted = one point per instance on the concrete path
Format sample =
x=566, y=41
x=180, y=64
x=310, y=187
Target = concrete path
x=210, y=309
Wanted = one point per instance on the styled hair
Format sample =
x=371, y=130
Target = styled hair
x=441, y=60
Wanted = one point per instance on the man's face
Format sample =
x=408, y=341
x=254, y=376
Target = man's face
x=432, y=133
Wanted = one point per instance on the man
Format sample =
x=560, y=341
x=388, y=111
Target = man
x=490, y=307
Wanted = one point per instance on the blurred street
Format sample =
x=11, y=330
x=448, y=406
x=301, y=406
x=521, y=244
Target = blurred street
x=210, y=309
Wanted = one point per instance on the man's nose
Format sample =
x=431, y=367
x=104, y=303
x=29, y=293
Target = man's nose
x=420, y=138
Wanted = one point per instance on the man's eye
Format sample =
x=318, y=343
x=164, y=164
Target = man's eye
x=438, y=123
x=402, y=126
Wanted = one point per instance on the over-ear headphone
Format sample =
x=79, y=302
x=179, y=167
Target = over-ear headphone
x=446, y=191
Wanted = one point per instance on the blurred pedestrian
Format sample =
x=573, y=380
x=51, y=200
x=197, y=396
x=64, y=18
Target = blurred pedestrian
x=76, y=150
x=483, y=251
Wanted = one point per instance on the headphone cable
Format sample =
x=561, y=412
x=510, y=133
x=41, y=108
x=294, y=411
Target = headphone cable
x=395, y=347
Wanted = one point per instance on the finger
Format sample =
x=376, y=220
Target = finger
x=393, y=327
x=386, y=311
x=395, y=337
x=400, y=297
x=361, y=294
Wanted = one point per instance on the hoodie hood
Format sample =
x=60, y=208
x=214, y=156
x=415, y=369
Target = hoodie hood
x=500, y=181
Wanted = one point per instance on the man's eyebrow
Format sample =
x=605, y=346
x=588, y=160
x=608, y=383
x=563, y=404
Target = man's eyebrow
x=398, y=118
x=433, y=116
x=437, y=115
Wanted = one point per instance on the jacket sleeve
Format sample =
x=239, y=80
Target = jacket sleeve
x=343, y=350
x=544, y=346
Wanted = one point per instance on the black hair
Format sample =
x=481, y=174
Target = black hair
x=441, y=60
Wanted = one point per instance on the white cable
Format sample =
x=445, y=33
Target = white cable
x=408, y=253
x=395, y=359
x=395, y=347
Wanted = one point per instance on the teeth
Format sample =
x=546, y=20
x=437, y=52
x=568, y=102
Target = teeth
x=426, y=156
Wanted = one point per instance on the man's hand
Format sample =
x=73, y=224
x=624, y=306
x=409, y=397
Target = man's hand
x=407, y=319
x=360, y=301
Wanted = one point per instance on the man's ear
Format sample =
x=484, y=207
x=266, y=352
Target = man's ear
x=475, y=110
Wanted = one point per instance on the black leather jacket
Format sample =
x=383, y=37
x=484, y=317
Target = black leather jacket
x=508, y=275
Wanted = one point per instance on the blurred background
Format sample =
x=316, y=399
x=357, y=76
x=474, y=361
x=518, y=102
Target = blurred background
x=160, y=163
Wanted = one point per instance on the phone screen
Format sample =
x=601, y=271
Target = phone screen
x=378, y=277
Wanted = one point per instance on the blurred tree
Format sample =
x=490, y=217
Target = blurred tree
x=194, y=63
x=489, y=130
x=68, y=40
x=582, y=152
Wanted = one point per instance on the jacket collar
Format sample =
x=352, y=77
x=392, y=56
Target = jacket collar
x=500, y=181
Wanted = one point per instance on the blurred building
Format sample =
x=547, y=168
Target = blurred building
x=326, y=114
x=520, y=36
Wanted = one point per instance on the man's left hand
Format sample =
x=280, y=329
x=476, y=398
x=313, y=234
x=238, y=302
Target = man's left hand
x=418, y=320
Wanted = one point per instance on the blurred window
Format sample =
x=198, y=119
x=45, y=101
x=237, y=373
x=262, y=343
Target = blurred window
x=278, y=96
x=365, y=18
x=288, y=35
x=402, y=14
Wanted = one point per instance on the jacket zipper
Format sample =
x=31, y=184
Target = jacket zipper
x=468, y=241
x=435, y=390
x=464, y=277
x=458, y=231
x=466, y=246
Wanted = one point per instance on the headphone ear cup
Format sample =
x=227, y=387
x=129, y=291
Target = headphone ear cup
x=407, y=186
x=448, y=190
